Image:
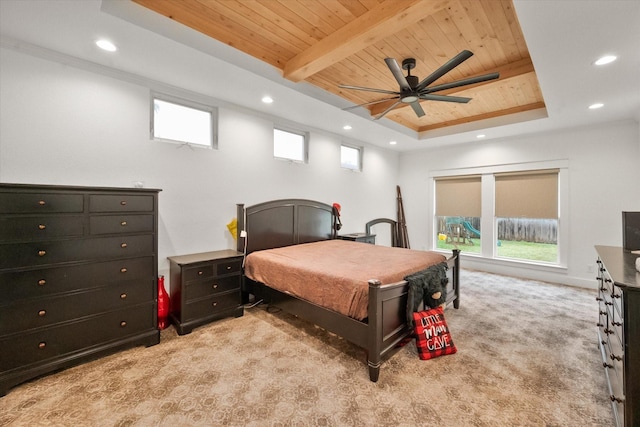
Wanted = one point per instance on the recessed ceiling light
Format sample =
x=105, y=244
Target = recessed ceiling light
x=347, y=127
x=267, y=99
x=481, y=135
x=607, y=59
x=106, y=45
x=393, y=142
x=596, y=106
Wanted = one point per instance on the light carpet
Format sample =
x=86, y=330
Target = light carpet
x=527, y=356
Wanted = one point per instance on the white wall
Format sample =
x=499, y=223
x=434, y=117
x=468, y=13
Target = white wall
x=64, y=125
x=604, y=180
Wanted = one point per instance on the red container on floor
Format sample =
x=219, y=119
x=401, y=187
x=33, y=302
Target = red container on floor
x=163, y=305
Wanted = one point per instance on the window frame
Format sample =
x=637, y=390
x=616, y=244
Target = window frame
x=293, y=131
x=360, y=156
x=213, y=111
x=488, y=219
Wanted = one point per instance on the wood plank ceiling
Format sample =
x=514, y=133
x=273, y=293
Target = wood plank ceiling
x=332, y=42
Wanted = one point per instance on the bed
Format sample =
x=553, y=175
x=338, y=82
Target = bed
x=279, y=226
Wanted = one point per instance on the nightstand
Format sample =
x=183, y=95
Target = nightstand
x=204, y=287
x=359, y=237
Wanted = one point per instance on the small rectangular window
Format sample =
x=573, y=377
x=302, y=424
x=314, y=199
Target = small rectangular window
x=182, y=122
x=290, y=145
x=351, y=157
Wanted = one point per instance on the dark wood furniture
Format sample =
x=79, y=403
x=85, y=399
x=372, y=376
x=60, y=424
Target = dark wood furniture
x=393, y=229
x=619, y=331
x=294, y=221
x=359, y=237
x=78, y=276
x=204, y=287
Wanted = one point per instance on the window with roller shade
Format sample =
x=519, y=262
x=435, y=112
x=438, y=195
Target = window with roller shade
x=526, y=215
x=458, y=212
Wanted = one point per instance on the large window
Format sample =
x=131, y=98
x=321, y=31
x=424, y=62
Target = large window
x=504, y=212
x=526, y=212
x=182, y=122
x=458, y=211
x=290, y=145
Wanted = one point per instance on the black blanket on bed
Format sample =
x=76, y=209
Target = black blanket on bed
x=423, y=285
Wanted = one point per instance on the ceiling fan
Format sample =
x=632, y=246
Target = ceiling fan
x=412, y=92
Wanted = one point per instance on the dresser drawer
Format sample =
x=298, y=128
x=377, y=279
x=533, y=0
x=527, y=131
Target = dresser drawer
x=120, y=203
x=78, y=336
x=198, y=272
x=228, y=267
x=43, y=253
x=38, y=313
x=51, y=281
x=210, y=306
x=113, y=224
x=41, y=203
x=40, y=227
x=194, y=290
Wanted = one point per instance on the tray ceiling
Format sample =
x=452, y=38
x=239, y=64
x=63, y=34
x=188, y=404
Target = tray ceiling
x=344, y=42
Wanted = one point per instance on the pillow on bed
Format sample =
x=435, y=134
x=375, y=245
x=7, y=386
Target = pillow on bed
x=432, y=334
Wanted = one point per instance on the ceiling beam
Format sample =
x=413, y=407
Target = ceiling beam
x=513, y=69
x=376, y=24
x=519, y=109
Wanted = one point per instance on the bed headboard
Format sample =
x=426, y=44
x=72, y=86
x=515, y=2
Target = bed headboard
x=284, y=222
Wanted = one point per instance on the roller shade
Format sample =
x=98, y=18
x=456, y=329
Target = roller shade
x=459, y=196
x=532, y=194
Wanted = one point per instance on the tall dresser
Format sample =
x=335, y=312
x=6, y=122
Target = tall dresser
x=619, y=331
x=78, y=276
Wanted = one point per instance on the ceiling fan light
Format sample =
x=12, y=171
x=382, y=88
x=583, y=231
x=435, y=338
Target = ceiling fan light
x=408, y=99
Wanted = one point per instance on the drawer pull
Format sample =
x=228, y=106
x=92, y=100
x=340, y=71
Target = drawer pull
x=123, y=296
x=599, y=325
x=42, y=253
x=602, y=313
x=123, y=203
x=41, y=226
x=615, y=295
x=42, y=313
x=608, y=331
x=215, y=286
x=42, y=203
x=214, y=304
x=614, y=357
x=228, y=267
x=123, y=270
x=123, y=245
x=599, y=299
x=123, y=324
x=616, y=323
x=200, y=273
x=123, y=223
x=42, y=282
x=42, y=345
x=616, y=399
x=607, y=365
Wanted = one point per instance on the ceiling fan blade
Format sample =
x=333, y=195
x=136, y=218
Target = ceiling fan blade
x=450, y=65
x=397, y=73
x=369, y=89
x=463, y=82
x=417, y=108
x=370, y=103
x=459, y=99
x=379, y=116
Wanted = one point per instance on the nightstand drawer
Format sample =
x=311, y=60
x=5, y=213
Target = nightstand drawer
x=114, y=224
x=211, y=306
x=41, y=203
x=194, y=290
x=26, y=228
x=199, y=272
x=121, y=203
x=228, y=267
